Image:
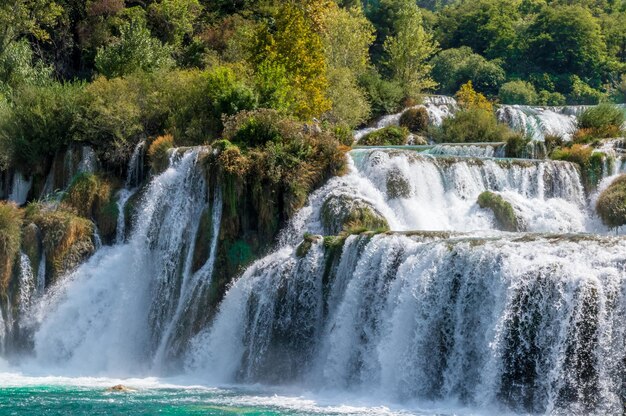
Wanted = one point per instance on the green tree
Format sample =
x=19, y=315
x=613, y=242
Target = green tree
x=486, y=26
x=567, y=39
x=290, y=41
x=347, y=36
x=172, y=20
x=518, y=92
x=134, y=50
x=20, y=18
x=409, y=51
x=454, y=67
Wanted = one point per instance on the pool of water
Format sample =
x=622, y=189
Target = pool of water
x=24, y=395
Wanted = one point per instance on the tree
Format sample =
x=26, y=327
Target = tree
x=347, y=36
x=518, y=92
x=20, y=18
x=172, y=20
x=409, y=50
x=135, y=50
x=454, y=67
x=486, y=26
x=567, y=39
x=468, y=98
x=289, y=41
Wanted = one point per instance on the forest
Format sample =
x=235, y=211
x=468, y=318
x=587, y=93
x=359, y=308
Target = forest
x=110, y=72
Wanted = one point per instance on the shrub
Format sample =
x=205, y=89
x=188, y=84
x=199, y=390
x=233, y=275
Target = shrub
x=158, y=152
x=67, y=239
x=468, y=98
x=388, y=136
x=454, y=67
x=517, y=145
x=92, y=197
x=472, y=126
x=384, y=96
x=415, y=119
x=602, y=121
x=582, y=93
x=40, y=121
x=502, y=209
x=551, y=98
x=590, y=163
x=10, y=226
x=518, y=92
x=611, y=205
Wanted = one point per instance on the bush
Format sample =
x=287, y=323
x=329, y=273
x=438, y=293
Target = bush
x=590, y=163
x=454, y=67
x=551, y=98
x=67, y=239
x=158, y=153
x=582, y=93
x=384, y=96
x=388, y=136
x=603, y=121
x=415, y=119
x=10, y=228
x=92, y=197
x=40, y=121
x=503, y=211
x=472, y=126
x=517, y=145
x=518, y=92
x=468, y=98
x=611, y=205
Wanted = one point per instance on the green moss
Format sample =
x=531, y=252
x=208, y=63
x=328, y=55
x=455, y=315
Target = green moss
x=67, y=240
x=388, y=136
x=416, y=120
x=397, y=185
x=303, y=248
x=93, y=197
x=611, y=205
x=502, y=209
x=346, y=214
x=10, y=236
x=590, y=163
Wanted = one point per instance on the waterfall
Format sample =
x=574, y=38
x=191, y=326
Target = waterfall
x=20, y=188
x=438, y=107
x=133, y=180
x=530, y=322
x=469, y=149
x=114, y=312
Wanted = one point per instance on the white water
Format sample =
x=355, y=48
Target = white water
x=20, y=188
x=110, y=315
x=471, y=316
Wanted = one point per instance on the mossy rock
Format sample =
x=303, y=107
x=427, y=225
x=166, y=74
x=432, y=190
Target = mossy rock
x=203, y=240
x=503, y=210
x=398, y=186
x=611, y=205
x=10, y=236
x=305, y=246
x=346, y=214
x=416, y=120
x=93, y=197
x=388, y=136
x=67, y=241
x=158, y=153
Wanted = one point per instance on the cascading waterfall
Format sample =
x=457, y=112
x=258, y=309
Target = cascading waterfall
x=20, y=187
x=535, y=322
x=141, y=288
x=443, y=308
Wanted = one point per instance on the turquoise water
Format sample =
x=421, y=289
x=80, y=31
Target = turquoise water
x=52, y=396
